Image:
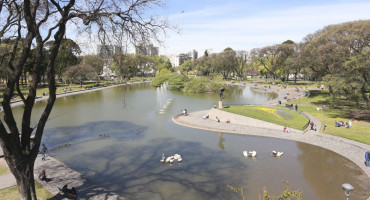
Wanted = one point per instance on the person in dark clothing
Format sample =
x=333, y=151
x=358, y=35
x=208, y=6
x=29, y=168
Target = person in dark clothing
x=296, y=107
x=43, y=149
x=367, y=158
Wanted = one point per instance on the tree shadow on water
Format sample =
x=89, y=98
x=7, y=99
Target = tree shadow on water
x=136, y=172
x=65, y=136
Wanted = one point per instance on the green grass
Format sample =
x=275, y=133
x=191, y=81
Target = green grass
x=274, y=115
x=3, y=170
x=359, y=130
x=343, y=111
x=12, y=192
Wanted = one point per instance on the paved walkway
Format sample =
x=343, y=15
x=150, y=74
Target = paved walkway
x=60, y=174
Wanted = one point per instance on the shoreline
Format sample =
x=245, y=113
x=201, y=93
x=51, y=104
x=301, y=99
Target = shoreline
x=59, y=172
x=349, y=149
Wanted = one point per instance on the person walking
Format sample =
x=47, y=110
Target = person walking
x=43, y=149
x=296, y=107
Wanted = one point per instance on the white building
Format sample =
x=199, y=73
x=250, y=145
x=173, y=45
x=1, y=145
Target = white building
x=107, y=73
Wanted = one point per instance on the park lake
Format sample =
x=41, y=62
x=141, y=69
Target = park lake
x=115, y=137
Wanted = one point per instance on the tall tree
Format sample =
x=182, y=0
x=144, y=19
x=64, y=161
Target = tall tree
x=32, y=24
x=80, y=73
x=272, y=58
x=329, y=49
x=67, y=55
x=186, y=67
x=96, y=62
x=242, y=60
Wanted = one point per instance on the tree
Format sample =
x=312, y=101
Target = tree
x=161, y=62
x=80, y=73
x=186, y=67
x=272, y=58
x=144, y=65
x=30, y=24
x=329, y=49
x=206, y=53
x=124, y=65
x=357, y=76
x=226, y=62
x=96, y=62
x=203, y=65
x=67, y=55
x=241, y=65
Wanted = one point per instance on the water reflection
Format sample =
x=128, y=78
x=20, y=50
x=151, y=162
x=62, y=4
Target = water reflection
x=221, y=141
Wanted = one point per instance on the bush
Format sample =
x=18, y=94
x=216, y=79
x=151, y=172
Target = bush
x=160, y=79
x=201, y=85
x=177, y=81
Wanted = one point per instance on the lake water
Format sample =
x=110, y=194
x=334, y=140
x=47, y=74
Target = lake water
x=137, y=119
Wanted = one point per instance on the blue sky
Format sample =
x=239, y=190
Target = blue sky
x=247, y=24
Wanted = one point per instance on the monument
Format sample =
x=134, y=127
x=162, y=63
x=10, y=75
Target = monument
x=221, y=91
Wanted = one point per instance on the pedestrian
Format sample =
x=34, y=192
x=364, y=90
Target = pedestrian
x=296, y=107
x=367, y=158
x=43, y=149
x=43, y=156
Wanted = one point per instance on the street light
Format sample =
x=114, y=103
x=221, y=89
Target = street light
x=347, y=188
x=323, y=115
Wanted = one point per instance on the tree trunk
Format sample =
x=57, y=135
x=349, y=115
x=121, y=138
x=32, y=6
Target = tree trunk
x=22, y=171
x=295, y=77
x=25, y=78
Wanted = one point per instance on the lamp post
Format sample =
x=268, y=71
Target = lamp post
x=347, y=188
x=323, y=115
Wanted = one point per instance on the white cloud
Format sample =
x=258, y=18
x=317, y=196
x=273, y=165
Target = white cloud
x=264, y=28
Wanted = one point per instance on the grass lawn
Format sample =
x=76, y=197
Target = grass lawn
x=274, y=115
x=12, y=192
x=359, y=130
x=3, y=170
x=342, y=111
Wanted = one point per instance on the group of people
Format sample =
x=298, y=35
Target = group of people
x=286, y=130
x=312, y=126
x=346, y=125
x=70, y=193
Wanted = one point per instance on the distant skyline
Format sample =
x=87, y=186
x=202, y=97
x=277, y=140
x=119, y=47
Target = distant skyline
x=248, y=24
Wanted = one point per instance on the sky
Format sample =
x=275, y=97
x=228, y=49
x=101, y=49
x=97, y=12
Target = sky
x=248, y=24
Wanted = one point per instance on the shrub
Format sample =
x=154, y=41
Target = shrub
x=201, y=85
